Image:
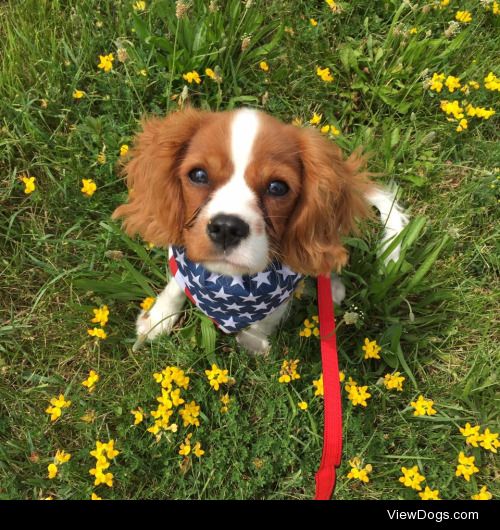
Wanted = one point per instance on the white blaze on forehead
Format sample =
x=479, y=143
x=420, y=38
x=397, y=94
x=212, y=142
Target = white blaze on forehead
x=236, y=197
x=243, y=132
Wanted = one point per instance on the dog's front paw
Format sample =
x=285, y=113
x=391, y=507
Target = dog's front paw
x=152, y=323
x=338, y=290
x=256, y=344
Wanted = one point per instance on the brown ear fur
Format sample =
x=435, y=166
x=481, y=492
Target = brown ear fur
x=155, y=207
x=331, y=200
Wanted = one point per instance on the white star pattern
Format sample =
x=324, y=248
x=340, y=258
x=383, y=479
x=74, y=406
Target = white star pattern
x=237, y=280
x=233, y=302
x=277, y=292
x=222, y=294
x=196, y=279
x=234, y=307
x=285, y=272
x=228, y=322
x=260, y=306
x=181, y=260
x=262, y=277
x=249, y=298
x=213, y=277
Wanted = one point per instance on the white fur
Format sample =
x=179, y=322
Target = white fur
x=237, y=198
x=162, y=317
x=392, y=216
x=254, y=338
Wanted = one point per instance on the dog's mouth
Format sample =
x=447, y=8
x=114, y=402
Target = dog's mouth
x=227, y=267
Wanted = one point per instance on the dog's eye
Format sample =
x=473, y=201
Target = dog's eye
x=198, y=176
x=277, y=188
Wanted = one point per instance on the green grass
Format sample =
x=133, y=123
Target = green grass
x=434, y=313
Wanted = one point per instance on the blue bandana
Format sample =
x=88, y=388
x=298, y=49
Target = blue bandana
x=233, y=302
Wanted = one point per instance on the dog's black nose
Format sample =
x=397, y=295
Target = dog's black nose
x=227, y=230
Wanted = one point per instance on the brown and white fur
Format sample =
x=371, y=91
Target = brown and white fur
x=282, y=192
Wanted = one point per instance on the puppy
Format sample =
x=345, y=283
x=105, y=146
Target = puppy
x=247, y=205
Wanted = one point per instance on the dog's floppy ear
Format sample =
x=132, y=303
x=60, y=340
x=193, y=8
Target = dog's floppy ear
x=331, y=200
x=155, y=207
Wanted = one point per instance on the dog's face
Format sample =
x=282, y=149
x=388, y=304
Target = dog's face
x=239, y=189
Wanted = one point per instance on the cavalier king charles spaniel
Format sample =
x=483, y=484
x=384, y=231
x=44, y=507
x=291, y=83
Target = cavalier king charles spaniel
x=247, y=205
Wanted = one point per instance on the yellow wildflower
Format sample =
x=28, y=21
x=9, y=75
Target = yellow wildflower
x=123, y=149
x=413, y=31
x=97, y=332
x=489, y=440
x=333, y=5
x=436, y=83
x=148, y=303
x=466, y=467
x=138, y=415
x=62, y=457
x=358, y=472
x=334, y=130
x=91, y=380
x=29, y=184
x=78, y=94
x=316, y=118
x=302, y=405
x=185, y=447
x=479, y=112
x=106, y=62
x=324, y=74
x=191, y=77
x=350, y=383
x=492, y=82
x=288, y=371
x=225, y=403
x=95, y=497
x=53, y=470
x=190, y=413
x=371, y=349
x=217, y=377
x=358, y=394
x=89, y=187
x=102, y=478
x=462, y=125
x=429, y=495
x=483, y=495
x=325, y=129
x=411, y=478
x=140, y=5
x=464, y=17
x=264, y=66
x=197, y=450
x=341, y=376
x=318, y=384
x=471, y=434
x=313, y=22
x=474, y=84
x=57, y=404
x=452, y=107
x=452, y=83
x=394, y=381
x=213, y=75
x=423, y=407
x=101, y=315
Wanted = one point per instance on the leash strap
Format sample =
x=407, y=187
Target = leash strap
x=332, y=430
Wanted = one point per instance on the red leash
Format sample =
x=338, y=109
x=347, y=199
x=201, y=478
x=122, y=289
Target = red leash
x=332, y=431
